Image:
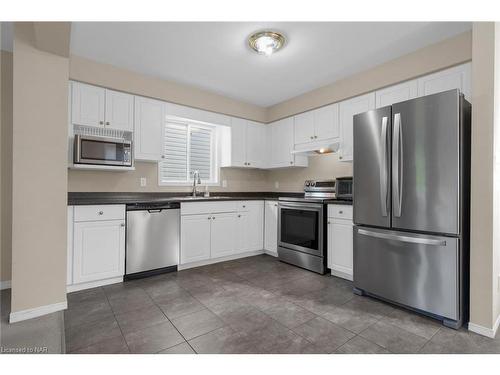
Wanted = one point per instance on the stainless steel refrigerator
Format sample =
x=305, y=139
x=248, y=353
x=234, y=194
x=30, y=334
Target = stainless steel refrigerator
x=411, y=204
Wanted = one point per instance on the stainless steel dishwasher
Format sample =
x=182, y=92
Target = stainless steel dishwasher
x=152, y=242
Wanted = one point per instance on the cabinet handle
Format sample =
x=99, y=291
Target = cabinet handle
x=209, y=218
x=239, y=215
x=213, y=217
x=275, y=205
x=101, y=213
x=249, y=163
x=315, y=136
x=244, y=206
x=107, y=122
x=341, y=212
x=122, y=224
x=101, y=122
x=312, y=137
x=340, y=157
x=163, y=156
x=329, y=223
x=291, y=162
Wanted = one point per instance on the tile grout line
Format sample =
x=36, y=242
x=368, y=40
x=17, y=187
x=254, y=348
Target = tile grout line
x=116, y=320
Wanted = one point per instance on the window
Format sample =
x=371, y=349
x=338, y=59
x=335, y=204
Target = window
x=188, y=147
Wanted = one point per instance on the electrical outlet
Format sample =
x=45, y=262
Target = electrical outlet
x=144, y=181
x=276, y=185
x=224, y=183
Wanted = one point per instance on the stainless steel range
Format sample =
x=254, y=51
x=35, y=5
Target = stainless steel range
x=302, y=226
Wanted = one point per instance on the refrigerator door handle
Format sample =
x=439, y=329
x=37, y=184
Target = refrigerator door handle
x=397, y=163
x=397, y=237
x=383, y=169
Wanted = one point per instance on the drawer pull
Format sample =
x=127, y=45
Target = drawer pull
x=101, y=213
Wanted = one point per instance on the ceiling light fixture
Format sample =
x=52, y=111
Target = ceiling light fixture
x=266, y=42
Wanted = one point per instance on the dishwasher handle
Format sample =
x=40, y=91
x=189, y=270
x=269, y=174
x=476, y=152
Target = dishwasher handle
x=155, y=211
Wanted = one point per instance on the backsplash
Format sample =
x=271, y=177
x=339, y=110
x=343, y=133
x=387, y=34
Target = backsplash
x=289, y=179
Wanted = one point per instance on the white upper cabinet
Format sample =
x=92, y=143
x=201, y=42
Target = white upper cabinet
x=347, y=110
x=96, y=106
x=326, y=122
x=256, y=145
x=317, y=125
x=281, y=145
x=119, y=110
x=397, y=93
x=244, y=144
x=87, y=104
x=148, y=128
x=458, y=77
x=304, y=127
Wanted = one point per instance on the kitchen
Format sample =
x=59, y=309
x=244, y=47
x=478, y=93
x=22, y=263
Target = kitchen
x=198, y=223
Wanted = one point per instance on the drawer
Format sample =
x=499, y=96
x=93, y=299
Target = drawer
x=340, y=211
x=195, y=208
x=100, y=212
x=249, y=205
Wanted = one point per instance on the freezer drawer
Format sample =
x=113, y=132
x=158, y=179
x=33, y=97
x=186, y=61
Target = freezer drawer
x=414, y=270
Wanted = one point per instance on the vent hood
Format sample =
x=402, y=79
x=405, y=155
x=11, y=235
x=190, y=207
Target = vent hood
x=317, y=148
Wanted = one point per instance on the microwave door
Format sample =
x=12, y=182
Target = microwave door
x=371, y=168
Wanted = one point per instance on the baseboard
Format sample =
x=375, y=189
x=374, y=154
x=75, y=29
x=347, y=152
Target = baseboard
x=218, y=260
x=36, y=312
x=93, y=284
x=5, y=284
x=488, y=332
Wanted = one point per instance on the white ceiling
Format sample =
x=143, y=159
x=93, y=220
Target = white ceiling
x=214, y=55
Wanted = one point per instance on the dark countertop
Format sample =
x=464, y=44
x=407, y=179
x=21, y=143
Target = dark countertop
x=83, y=198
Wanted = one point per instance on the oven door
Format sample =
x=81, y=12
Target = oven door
x=300, y=227
x=102, y=151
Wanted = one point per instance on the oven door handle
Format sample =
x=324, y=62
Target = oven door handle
x=301, y=206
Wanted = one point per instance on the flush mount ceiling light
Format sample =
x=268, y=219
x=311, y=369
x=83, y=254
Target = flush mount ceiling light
x=266, y=42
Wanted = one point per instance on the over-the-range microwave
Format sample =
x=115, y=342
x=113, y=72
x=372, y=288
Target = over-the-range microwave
x=100, y=150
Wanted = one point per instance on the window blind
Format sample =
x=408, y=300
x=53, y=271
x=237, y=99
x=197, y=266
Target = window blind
x=175, y=164
x=187, y=148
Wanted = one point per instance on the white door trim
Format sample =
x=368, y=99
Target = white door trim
x=37, y=311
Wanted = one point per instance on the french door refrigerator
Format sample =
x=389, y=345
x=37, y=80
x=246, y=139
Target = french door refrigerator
x=411, y=204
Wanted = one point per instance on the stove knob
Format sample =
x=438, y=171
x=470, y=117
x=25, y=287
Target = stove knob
x=307, y=183
x=313, y=183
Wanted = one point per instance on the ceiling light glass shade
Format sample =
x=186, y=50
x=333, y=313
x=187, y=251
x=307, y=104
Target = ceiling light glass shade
x=266, y=42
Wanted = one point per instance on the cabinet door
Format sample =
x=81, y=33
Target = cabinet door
x=238, y=142
x=282, y=143
x=397, y=93
x=195, y=238
x=271, y=227
x=326, y=122
x=69, y=259
x=119, y=110
x=224, y=232
x=340, y=254
x=148, y=128
x=348, y=109
x=251, y=228
x=87, y=104
x=458, y=77
x=304, y=127
x=99, y=250
x=256, y=145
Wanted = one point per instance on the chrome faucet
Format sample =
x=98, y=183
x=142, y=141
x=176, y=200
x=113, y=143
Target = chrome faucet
x=196, y=179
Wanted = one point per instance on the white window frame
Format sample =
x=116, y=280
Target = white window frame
x=215, y=167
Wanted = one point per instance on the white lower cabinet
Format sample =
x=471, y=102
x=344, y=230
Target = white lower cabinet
x=340, y=247
x=251, y=227
x=212, y=230
x=99, y=250
x=271, y=227
x=96, y=245
x=195, y=238
x=224, y=235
